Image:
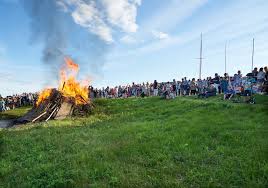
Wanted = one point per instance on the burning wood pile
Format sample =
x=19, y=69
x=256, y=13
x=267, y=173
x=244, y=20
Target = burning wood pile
x=71, y=98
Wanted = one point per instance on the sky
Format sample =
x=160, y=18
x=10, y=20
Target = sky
x=124, y=41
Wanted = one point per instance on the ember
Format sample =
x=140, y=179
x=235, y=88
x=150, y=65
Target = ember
x=70, y=98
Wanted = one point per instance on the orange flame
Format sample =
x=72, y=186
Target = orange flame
x=68, y=85
x=43, y=96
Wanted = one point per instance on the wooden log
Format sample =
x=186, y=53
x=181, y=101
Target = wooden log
x=63, y=86
x=83, y=99
x=54, y=106
x=38, y=117
x=49, y=104
x=52, y=113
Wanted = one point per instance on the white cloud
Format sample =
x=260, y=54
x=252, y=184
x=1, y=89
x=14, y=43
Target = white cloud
x=102, y=17
x=122, y=14
x=128, y=40
x=88, y=16
x=160, y=35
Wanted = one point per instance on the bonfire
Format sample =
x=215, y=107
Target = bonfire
x=71, y=97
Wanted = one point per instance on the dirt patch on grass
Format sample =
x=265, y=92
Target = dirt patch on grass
x=5, y=123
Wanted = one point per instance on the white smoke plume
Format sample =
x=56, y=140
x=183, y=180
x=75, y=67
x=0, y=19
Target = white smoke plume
x=52, y=23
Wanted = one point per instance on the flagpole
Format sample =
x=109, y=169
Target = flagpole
x=201, y=53
x=225, y=58
x=253, y=51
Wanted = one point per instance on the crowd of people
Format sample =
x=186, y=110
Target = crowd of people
x=15, y=101
x=254, y=82
x=251, y=83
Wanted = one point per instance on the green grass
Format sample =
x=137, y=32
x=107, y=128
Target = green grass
x=148, y=142
x=13, y=114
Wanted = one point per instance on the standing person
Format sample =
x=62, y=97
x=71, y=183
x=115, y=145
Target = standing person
x=255, y=72
x=226, y=75
x=188, y=87
x=151, y=89
x=239, y=78
x=182, y=86
x=168, y=87
x=185, y=86
x=199, y=86
x=205, y=83
x=265, y=84
x=261, y=76
x=2, y=104
x=155, y=86
x=107, y=92
x=266, y=73
x=148, y=89
x=239, y=74
x=143, y=90
x=193, y=87
x=178, y=88
x=134, y=90
x=216, y=82
x=174, y=87
x=224, y=84
x=103, y=93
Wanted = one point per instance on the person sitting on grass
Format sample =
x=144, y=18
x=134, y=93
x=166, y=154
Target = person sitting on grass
x=167, y=92
x=238, y=90
x=229, y=93
x=210, y=91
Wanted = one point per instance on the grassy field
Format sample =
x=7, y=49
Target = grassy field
x=13, y=114
x=147, y=142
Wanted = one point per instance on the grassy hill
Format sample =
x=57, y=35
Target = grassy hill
x=148, y=142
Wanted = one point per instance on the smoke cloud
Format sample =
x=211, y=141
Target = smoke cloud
x=84, y=26
x=47, y=26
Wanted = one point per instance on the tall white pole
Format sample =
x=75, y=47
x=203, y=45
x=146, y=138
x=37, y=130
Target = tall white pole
x=201, y=57
x=225, y=58
x=253, y=51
